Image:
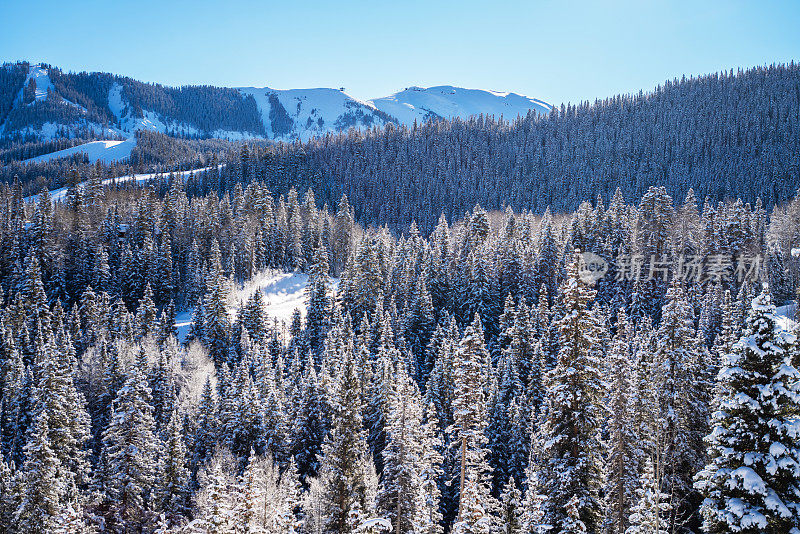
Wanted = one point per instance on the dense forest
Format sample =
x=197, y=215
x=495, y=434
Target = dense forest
x=574, y=323
x=471, y=381
x=727, y=135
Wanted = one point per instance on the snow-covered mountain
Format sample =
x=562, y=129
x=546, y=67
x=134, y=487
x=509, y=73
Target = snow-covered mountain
x=306, y=113
x=45, y=103
x=446, y=101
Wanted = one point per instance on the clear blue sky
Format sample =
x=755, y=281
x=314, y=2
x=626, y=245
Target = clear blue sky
x=554, y=50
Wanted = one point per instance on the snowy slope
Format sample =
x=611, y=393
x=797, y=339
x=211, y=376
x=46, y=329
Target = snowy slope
x=283, y=293
x=311, y=112
x=51, y=129
x=105, y=151
x=314, y=112
x=43, y=83
x=445, y=101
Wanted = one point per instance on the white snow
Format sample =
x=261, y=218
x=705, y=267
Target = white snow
x=307, y=106
x=372, y=524
x=796, y=252
x=283, y=293
x=105, y=151
x=449, y=102
x=42, y=79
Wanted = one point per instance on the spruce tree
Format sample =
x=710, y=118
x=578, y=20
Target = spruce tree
x=574, y=389
x=39, y=486
x=623, y=449
x=752, y=481
x=346, y=473
x=129, y=457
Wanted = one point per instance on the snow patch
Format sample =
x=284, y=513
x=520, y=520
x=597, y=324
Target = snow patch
x=105, y=151
x=38, y=74
x=283, y=292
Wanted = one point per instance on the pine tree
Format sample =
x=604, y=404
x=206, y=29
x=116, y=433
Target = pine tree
x=429, y=515
x=173, y=477
x=752, y=481
x=56, y=394
x=346, y=473
x=216, y=322
x=623, y=450
x=511, y=508
x=129, y=456
x=574, y=387
x=651, y=505
x=39, y=486
x=146, y=314
x=309, y=425
x=402, y=457
x=473, y=517
x=469, y=416
x=318, y=301
x=215, y=509
x=682, y=398
x=206, y=434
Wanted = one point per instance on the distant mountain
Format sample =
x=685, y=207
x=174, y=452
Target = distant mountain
x=41, y=102
x=445, y=101
x=305, y=113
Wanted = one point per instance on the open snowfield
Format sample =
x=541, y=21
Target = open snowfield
x=105, y=151
x=39, y=75
x=283, y=293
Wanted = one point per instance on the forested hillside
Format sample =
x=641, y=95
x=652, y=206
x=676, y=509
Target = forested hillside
x=580, y=322
x=727, y=135
x=475, y=380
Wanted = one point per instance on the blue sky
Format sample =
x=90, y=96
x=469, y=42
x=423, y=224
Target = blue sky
x=554, y=50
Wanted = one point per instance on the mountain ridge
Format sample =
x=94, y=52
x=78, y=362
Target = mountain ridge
x=41, y=102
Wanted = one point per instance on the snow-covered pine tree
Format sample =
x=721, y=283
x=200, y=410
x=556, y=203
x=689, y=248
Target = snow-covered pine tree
x=346, y=474
x=752, y=481
x=398, y=497
x=473, y=517
x=216, y=322
x=173, y=484
x=128, y=461
x=647, y=515
x=318, y=301
x=38, y=486
x=215, y=508
x=511, y=508
x=678, y=373
x=623, y=450
x=429, y=515
x=309, y=426
x=574, y=389
x=470, y=419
